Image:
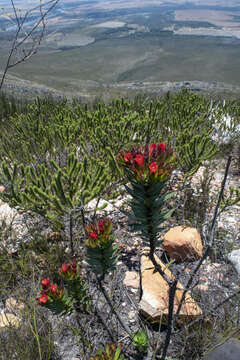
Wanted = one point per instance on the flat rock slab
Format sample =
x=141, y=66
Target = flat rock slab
x=230, y=350
x=155, y=290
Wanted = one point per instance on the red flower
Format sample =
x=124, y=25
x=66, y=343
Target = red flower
x=74, y=267
x=93, y=235
x=43, y=299
x=152, y=148
x=161, y=147
x=65, y=267
x=53, y=288
x=128, y=157
x=139, y=160
x=45, y=282
x=153, y=167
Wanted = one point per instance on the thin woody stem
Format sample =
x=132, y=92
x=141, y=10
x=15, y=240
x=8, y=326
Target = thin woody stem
x=172, y=292
x=125, y=327
x=17, y=42
x=171, y=283
x=71, y=232
x=152, y=242
x=99, y=315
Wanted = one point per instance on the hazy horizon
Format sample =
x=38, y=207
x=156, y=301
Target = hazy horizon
x=23, y=4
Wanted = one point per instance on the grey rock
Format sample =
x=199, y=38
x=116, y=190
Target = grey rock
x=18, y=227
x=234, y=258
x=230, y=350
x=14, y=227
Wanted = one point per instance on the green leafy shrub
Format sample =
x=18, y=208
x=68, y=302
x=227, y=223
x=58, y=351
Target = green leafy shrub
x=53, y=193
x=50, y=131
x=141, y=341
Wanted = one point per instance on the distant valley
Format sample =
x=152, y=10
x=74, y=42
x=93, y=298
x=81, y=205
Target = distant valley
x=91, y=46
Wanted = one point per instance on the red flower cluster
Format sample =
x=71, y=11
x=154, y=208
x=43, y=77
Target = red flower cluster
x=150, y=162
x=49, y=292
x=98, y=232
x=69, y=270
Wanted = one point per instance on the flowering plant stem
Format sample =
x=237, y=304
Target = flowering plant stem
x=149, y=205
x=148, y=201
x=152, y=242
x=148, y=168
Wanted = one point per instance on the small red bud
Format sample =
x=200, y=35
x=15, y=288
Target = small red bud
x=139, y=160
x=53, y=288
x=128, y=157
x=65, y=267
x=161, y=147
x=42, y=299
x=45, y=282
x=152, y=148
x=93, y=235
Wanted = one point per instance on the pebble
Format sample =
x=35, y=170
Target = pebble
x=132, y=315
x=134, y=290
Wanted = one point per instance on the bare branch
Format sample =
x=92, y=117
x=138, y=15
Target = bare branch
x=38, y=22
x=15, y=13
x=23, y=54
x=172, y=293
